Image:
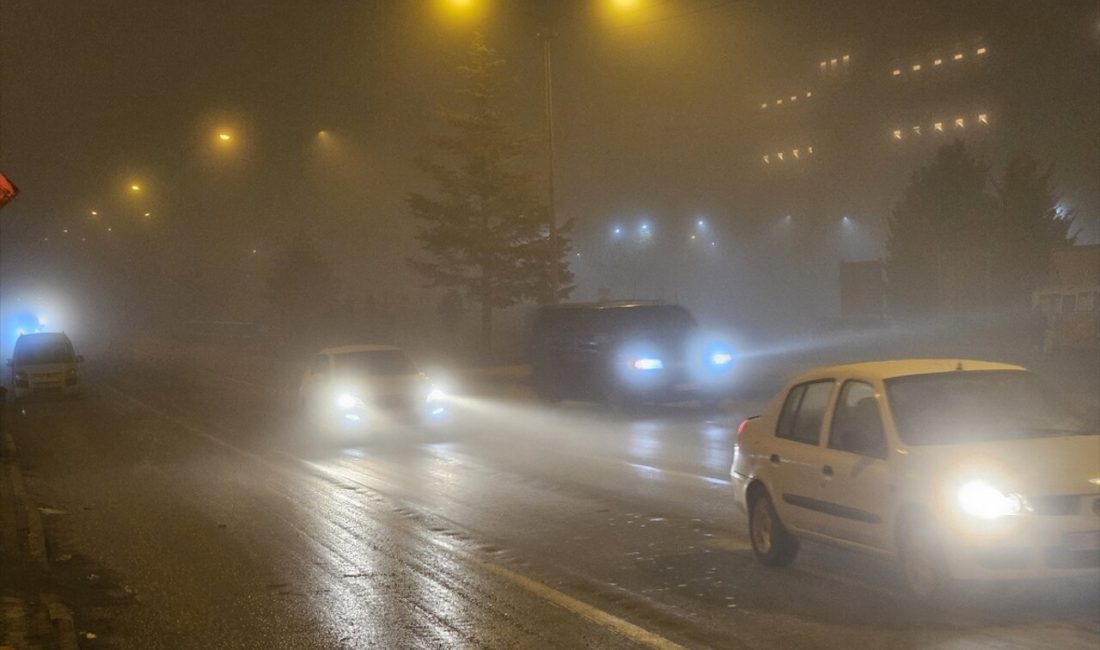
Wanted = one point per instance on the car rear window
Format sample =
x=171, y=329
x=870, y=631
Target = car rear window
x=804, y=411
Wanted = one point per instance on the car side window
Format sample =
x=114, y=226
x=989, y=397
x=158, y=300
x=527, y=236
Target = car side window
x=857, y=423
x=803, y=412
x=319, y=365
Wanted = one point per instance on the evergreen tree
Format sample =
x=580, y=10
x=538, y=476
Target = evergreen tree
x=485, y=227
x=1028, y=230
x=940, y=234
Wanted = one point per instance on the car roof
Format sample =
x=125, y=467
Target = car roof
x=607, y=304
x=34, y=336
x=905, y=367
x=364, y=347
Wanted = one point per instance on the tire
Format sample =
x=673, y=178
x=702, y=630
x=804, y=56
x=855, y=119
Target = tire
x=922, y=559
x=772, y=544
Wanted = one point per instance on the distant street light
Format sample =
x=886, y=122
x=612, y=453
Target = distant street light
x=134, y=187
x=225, y=137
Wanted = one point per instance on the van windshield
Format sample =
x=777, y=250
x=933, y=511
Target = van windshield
x=36, y=349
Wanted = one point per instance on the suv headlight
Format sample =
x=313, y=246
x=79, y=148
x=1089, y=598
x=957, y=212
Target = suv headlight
x=982, y=500
x=647, y=363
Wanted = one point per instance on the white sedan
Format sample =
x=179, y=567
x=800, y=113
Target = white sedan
x=368, y=388
x=954, y=469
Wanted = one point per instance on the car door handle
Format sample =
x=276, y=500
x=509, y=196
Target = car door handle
x=827, y=470
x=774, y=458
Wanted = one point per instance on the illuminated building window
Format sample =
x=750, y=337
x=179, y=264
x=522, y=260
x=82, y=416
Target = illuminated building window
x=958, y=57
x=809, y=94
x=794, y=98
x=960, y=123
x=897, y=134
x=779, y=155
x=764, y=105
x=916, y=67
x=916, y=130
x=767, y=160
x=795, y=153
x=823, y=64
x=980, y=50
x=983, y=118
x=846, y=57
x=938, y=62
x=779, y=102
x=809, y=151
x=832, y=61
x=938, y=126
x=897, y=72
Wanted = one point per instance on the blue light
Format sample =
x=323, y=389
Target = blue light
x=721, y=358
x=647, y=363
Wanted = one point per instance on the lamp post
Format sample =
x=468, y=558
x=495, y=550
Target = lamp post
x=547, y=36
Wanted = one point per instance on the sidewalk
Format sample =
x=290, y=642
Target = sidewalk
x=30, y=615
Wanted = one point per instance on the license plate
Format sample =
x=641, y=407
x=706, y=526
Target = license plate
x=1087, y=541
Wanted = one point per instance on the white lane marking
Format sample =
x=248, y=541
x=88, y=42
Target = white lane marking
x=598, y=616
x=670, y=472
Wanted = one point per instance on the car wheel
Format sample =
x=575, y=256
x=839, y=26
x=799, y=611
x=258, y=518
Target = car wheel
x=922, y=559
x=772, y=544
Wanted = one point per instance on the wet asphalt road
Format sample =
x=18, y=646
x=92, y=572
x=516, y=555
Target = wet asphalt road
x=184, y=511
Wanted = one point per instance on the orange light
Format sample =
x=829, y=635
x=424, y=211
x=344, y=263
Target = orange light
x=958, y=57
x=916, y=68
x=809, y=94
x=980, y=50
x=134, y=187
x=225, y=137
x=764, y=105
x=938, y=62
x=897, y=72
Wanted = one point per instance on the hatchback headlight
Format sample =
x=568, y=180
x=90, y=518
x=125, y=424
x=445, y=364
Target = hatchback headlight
x=347, y=401
x=982, y=500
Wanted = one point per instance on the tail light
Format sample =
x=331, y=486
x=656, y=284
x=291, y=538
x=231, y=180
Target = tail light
x=741, y=427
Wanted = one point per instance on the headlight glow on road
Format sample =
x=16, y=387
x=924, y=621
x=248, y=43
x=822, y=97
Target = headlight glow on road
x=980, y=499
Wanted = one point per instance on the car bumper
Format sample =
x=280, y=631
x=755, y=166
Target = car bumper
x=1034, y=547
x=34, y=390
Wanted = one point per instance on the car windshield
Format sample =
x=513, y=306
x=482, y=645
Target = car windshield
x=962, y=407
x=43, y=349
x=376, y=363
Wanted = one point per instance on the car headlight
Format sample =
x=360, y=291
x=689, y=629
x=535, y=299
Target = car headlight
x=720, y=358
x=435, y=395
x=347, y=401
x=647, y=363
x=982, y=500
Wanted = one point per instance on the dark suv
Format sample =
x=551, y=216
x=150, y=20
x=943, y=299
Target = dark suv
x=626, y=351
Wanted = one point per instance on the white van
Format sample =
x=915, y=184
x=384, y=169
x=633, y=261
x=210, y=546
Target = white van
x=45, y=364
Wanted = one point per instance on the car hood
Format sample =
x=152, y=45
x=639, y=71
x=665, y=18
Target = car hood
x=386, y=386
x=1032, y=466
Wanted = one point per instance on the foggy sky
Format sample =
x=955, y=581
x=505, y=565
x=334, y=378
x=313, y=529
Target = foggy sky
x=652, y=118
